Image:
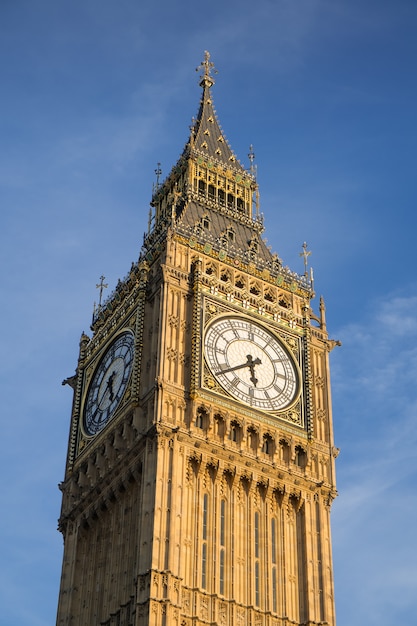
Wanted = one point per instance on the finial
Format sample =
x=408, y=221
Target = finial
x=305, y=254
x=101, y=285
x=207, y=66
x=158, y=173
x=251, y=156
x=149, y=220
x=322, y=314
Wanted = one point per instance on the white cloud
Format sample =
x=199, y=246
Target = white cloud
x=374, y=517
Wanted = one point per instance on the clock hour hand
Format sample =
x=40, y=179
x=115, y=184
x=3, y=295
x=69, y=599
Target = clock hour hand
x=110, y=385
x=250, y=363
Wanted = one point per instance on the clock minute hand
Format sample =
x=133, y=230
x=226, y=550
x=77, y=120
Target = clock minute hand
x=232, y=369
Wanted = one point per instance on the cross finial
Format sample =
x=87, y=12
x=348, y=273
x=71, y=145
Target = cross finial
x=251, y=156
x=305, y=254
x=158, y=173
x=101, y=285
x=207, y=66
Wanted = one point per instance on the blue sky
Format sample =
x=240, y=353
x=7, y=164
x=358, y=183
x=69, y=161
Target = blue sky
x=93, y=95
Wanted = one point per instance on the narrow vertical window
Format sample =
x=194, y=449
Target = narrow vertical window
x=204, y=544
x=257, y=583
x=222, y=545
x=222, y=522
x=256, y=535
x=222, y=572
x=205, y=510
x=256, y=551
x=274, y=589
x=204, y=566
x=273, y=542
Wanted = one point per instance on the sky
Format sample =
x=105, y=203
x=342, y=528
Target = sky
x=95, y=93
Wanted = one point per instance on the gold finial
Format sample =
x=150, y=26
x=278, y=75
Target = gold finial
x=305, y=254
x=207, y=66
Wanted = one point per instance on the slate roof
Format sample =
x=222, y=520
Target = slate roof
x=246, y=238
x=207, y=137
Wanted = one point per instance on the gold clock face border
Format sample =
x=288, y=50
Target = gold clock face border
x=223, y=391
x=90, y=379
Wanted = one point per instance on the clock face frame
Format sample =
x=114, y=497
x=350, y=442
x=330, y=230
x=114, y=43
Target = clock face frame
x=251, y=363
x=108, y=383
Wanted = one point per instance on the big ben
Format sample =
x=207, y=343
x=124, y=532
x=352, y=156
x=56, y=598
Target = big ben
x=200, y=469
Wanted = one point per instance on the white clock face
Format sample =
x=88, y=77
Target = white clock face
x=251, y=364
x=108, y=384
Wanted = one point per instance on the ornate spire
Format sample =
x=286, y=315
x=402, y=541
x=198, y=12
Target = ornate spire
x=207, y=138
x=207, y=66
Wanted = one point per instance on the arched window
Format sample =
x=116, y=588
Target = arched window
x=284, y=451
x=253, y=439
x=268, y=445
x=300, y=457
x=201, y=420
x=219, y=426
x=235, y=432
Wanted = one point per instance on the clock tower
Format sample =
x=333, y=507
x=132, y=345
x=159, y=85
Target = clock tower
x=200, y=468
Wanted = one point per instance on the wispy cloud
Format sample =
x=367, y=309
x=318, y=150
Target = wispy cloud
x=375, y=515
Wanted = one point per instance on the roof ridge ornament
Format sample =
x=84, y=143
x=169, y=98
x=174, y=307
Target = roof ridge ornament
x=207, y=66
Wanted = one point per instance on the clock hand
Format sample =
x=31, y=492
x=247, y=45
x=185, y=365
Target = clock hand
x=110, y=385
x=251, y=362
x=108, y=389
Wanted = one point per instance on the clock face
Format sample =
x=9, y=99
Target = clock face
x=108, y=384
x=251, y=364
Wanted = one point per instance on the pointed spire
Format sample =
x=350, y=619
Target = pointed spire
x=207, y=138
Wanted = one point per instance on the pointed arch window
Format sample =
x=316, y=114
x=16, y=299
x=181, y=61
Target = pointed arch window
x=268, y=445
x=201, y=418
x=235, y=432
x=300, y=457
